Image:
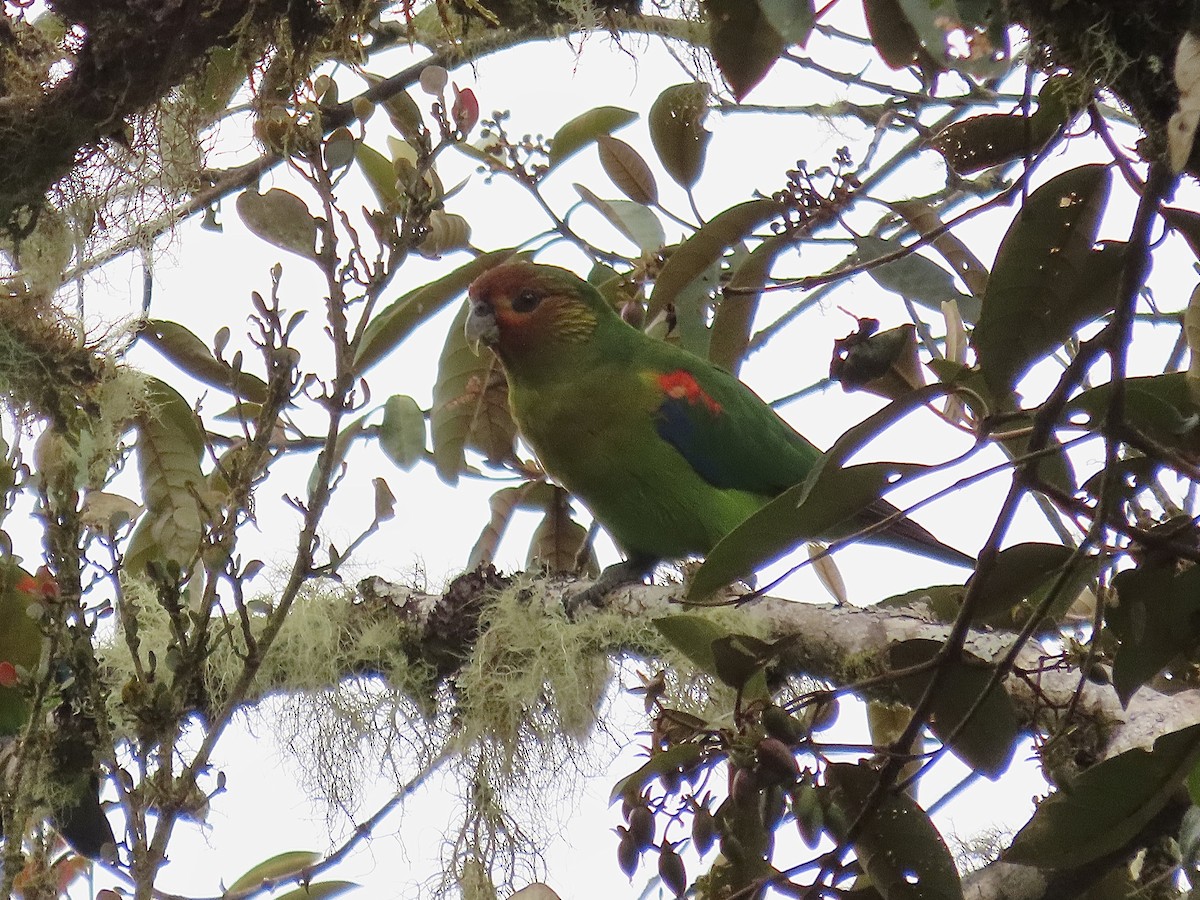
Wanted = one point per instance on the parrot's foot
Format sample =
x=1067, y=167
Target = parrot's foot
x=628, y=571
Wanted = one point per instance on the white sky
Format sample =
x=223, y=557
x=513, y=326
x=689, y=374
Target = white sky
x=203, y=281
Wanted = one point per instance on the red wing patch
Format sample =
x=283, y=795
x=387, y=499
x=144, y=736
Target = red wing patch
x=681, y=385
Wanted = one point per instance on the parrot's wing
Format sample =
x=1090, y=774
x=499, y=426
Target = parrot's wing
x=728, y=435
x=734, y=440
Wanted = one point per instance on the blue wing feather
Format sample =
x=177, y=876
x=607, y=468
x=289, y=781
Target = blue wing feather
x=676, y=424
x=729, y=436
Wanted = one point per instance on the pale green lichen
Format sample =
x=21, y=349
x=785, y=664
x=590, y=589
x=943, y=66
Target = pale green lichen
x=515, y=727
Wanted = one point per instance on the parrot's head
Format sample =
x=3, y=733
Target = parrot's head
x=532, y=314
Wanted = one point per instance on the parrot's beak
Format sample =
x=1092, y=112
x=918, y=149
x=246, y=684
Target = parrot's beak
x=481, y=327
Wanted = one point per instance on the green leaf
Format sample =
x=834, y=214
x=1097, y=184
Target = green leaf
x=635, y=221
x=1193, y=785
x=628, y=171
x=741, y=662
x=1078, y=578
x=401, y=109
x=189, y=353
x=1122, y=481
x=935, y=23
x=993, y=139
x=674, y=759
x=170, y=445
x=281, y=218
x=1159, y=406
x=586, y=128
x=898, y=847
x=922, y=216
x=734, y=317
x=984, y=16
x=942, y=601
x=809, y=511
x=738, y=660
x=321, y=890
x=280, y=866
x=503, y=503
x=693, y=257
x=1107, y=806
x=792, y=19
x=380, y=175
x=470, y=405
x=402, y=432
x=1043, y=284
x=692, y=306
x=693, y=636
x=395, y=322
x=987, y=741
x=339, y=149
x=914, y=277
x=1156, y=618
x=893, y=35
x=743, y=43
x=223, y=73
x=830, y=497
x=1018, y=571
x=677, y=130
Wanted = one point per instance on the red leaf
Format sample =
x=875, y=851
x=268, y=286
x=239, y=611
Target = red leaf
x=8, y=674
x=465, y=109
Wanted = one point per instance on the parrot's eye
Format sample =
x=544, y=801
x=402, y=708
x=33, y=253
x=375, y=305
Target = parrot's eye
x=525, y=302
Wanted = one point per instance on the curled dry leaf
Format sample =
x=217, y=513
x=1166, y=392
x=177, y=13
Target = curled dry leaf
x=956, y=351
x=536, y=891
x=107, y=513
x=828, y=572
x=281, y=218
x=1181, y=129
x=627, y=169
x=1191, y=329
x=447, y=232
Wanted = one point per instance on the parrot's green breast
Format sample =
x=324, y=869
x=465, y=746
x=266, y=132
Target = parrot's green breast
x=604, y=446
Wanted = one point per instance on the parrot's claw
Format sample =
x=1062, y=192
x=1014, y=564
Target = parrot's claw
x=629, y=571
x=587, y=597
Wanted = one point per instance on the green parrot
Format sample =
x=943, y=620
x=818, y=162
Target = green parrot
x=79, y=818
x=669, y=452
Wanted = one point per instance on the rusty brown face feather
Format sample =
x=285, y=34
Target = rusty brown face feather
x=520, y=308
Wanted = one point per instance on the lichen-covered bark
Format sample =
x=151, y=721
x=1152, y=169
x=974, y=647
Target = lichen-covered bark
x=1125, y=48
x=130, y=54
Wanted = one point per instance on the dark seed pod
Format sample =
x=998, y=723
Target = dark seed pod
x=671, y=870
x=641, y=827
x=704, y=830
x=628, y=855
x=634, y=313
x=777, y=760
